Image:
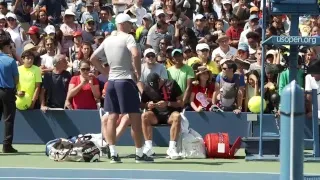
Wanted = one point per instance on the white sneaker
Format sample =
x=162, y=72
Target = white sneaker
x=173, y=154
x=148, y=151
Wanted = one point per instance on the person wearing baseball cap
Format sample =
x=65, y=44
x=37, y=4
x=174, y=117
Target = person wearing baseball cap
x=118, y=49
x=181, y=73
x=34, y=33
x=203, y=50
x=142, y=31
x=89, y=30
x=89, y=13
x=150, y=65
x=162, y=107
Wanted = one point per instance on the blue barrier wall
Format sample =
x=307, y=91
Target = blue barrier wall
x=36, y=127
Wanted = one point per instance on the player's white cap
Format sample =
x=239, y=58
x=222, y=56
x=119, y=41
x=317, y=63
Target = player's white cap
x=121, y=18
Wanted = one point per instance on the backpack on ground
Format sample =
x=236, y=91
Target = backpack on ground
x=218, y=145
x=81, y=151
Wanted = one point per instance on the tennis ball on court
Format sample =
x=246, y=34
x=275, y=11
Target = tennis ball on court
x=23, y=103
x=255, y=103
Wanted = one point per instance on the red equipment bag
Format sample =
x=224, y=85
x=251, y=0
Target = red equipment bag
x=218, y=146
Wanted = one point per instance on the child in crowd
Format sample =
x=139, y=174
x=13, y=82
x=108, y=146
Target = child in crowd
x=200, y=99
x=29, y=78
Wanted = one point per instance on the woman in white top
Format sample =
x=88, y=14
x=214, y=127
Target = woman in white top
x=16, y=32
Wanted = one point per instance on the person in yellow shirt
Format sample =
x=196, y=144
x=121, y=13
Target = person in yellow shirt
x=29, y=78
x=203, y=50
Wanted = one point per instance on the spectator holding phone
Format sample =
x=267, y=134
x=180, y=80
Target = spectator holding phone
x=83, y=89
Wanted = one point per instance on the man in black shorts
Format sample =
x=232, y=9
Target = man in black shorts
x=162, y=100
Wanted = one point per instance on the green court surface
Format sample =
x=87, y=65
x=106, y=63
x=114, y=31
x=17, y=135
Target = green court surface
x=34, y=156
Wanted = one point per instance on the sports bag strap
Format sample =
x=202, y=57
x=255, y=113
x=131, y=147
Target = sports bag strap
x=165, y=94
x=57, y=154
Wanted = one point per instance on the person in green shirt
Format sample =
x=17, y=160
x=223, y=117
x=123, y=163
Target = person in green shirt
x=284, y=79
x=182, y=74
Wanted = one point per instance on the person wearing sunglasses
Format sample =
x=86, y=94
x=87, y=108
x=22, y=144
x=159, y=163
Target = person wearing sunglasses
x=150, y=65
x=9, y=78
x=83, y=89
x=229, y=88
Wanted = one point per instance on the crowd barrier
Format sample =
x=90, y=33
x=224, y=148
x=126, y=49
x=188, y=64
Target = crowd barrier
x=36, y=127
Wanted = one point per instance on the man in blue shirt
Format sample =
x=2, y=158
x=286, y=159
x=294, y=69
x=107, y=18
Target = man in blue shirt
x=9, y=78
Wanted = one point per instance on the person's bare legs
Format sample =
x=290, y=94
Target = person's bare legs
x=175, y=121
x=148, y=119
x=111, y=133
x=136, y=127
x=124, y=123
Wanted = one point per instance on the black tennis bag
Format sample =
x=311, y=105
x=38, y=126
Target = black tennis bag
x=81, y=151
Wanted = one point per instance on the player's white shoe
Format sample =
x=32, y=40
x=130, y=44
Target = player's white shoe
x=173, y=154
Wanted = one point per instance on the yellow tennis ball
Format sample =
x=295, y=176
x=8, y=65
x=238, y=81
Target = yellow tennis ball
x=255, y=103
x=23, y=103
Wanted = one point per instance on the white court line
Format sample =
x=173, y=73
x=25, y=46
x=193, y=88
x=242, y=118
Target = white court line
x=150, y=170
x=53, y=178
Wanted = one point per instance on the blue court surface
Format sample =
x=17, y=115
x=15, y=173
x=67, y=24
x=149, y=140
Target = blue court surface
x=127, y=174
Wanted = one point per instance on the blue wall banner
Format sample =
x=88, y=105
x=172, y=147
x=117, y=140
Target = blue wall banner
x=36, y=127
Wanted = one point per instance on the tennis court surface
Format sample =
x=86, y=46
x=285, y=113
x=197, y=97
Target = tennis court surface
x=31, y=163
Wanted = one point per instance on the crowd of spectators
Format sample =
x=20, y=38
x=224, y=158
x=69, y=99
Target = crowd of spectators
x=211, y=48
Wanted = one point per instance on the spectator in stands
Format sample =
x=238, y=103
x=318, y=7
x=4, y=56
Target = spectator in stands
x=139, y=10
x=89, y=30
x=175, y=15
x=253, y=25
x=68, y=28
x=203, y=57
x=206, y=8
x=252, y=87
x=226, y=10
x=163, y=102
x=202, y=90
x=22, y=9
x=284, y=76
x=150, y=65
x=229, y=88
x=224, y=50
x=9, y=78
x=199, y=27
x=53, y=8
x=156, y=33
x=89, y=13
x=42, y=20
x=34, y=35
x=17, y=33
x=234, y=31
x=76, y=48
x=257, y=65
x=98, y=39
x=48, y=58
x=55, y=84
x=29, y=78
x=182, y=74
x=242, y=12
x=3, y=22
x=83, y=55
x=105, y=25
x=4, y=8
x=312, y=81
x=142, y=31
x=83, y=89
